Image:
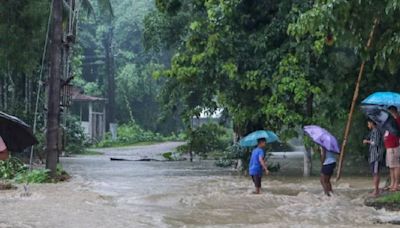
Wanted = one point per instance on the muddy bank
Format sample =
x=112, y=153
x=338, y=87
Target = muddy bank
x=382, y=203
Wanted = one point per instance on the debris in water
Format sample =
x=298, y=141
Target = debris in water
x=26, y=192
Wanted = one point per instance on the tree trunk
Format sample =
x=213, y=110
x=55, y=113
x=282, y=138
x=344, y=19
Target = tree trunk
x=53, y=112
x=307, y=162
x=110, y=78
x=1, y=93
x=307, y=152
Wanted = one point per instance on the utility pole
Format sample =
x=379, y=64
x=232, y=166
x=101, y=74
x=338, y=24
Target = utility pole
x=108, y=44
x=53, y=112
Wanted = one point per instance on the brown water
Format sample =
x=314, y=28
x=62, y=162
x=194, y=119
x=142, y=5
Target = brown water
x=184, y=194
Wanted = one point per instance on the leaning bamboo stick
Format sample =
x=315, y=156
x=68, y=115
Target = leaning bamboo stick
x=353, y=104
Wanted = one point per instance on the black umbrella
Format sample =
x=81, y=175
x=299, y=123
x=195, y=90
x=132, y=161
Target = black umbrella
x=16, y=134
x=382, y=118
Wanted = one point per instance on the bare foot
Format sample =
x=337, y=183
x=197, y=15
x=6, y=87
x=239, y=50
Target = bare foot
x=374, y=194
x=256, y=193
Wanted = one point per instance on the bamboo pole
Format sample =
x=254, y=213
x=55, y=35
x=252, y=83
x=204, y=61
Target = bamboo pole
x=353, y=104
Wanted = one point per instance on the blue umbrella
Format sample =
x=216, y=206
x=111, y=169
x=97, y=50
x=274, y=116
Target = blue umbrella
x=383, y=98
x=322, y=137
x=251, y=139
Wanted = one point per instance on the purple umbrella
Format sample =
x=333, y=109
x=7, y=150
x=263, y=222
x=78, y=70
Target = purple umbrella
x=322, y=137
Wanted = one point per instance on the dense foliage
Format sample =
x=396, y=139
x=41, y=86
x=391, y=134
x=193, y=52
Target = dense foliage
x=136, y=92
x=22, y=36
x=275, y=64
x=272, y=64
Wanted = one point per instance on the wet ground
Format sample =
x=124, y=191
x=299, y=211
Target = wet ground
x=116, y=194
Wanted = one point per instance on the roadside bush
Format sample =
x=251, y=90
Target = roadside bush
x=11, y=167
x=40, y=176
x=207, y=138
x=75, y=138
x=35, y=176
x=131, y=133
x=15, y=169
x=168, y=156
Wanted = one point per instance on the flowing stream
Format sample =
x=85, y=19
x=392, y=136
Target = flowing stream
x=184, y=194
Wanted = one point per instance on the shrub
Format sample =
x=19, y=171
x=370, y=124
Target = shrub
x=14, y=169
x=131, y=133
x=10, y=168
x=34, y=176
x=39, y=176
x=207, y=138
x=75, y=140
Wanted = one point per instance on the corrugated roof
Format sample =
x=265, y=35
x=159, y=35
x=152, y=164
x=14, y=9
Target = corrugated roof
x=78, y=95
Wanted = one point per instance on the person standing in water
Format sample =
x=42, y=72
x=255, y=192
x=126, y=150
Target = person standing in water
x=392, y=146
x=328, y=162
x=257, y=164
x=393, y=151
x=376, y=150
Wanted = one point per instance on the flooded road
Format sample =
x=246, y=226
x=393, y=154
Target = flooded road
x=184, y=194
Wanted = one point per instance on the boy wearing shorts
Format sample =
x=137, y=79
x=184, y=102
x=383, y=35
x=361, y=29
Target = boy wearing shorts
x=257, y=164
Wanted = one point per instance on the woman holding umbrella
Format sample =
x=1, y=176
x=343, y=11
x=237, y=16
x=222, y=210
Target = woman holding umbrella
x=328, y=161
x=329, y=149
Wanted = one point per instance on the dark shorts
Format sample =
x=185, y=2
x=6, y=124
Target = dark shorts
x=257, y=180
x=328, y=169
x=375, y=167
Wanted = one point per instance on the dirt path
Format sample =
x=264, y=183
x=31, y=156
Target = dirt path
x=148, y=151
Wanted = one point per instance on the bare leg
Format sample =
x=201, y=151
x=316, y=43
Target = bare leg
x=392, y=179
x=328, y=183
x=396, y=178
x=376, y=185
x=324, y=184
x=258, y=191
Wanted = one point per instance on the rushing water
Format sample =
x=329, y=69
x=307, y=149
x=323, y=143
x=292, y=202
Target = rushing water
x=184, y=194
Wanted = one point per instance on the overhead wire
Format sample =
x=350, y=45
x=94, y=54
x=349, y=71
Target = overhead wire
x=40, y=82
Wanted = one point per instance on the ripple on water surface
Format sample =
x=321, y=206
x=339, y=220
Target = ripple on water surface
x=185, y=194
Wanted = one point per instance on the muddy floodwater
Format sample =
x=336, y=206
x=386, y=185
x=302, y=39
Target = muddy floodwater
x=115, y=194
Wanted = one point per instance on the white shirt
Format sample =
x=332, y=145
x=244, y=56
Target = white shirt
x=3, y=146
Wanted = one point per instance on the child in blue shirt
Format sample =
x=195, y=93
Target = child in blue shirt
x=257, y=164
